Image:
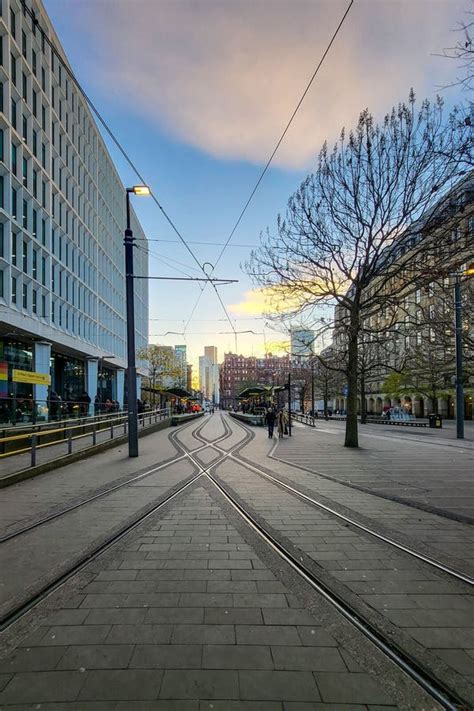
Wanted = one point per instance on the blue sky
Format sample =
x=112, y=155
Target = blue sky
x=198, y=93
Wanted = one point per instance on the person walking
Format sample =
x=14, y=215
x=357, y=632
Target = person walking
x=281, y=423
x=270, y=421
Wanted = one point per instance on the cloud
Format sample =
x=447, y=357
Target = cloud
x=260, y=302
x=224, y=77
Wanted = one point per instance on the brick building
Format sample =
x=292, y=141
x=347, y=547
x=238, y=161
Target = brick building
x=238, y=371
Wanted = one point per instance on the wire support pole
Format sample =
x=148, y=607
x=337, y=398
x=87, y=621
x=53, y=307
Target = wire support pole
x=459, y=364
x=131, y=362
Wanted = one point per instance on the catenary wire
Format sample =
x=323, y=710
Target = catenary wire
x=116, y=142
x=279, y=142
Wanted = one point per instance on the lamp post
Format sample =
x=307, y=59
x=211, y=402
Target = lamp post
x=312, y=389
x=131, y=363
x=459, y=365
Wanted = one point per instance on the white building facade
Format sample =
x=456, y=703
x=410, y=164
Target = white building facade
x=62, y=220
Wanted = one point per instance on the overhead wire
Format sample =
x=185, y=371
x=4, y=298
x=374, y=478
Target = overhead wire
x=113, y=138
x=277, y=146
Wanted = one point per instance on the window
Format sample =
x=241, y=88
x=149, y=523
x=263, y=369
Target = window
x=43, y=231
x=35, y=144
x=1, y=145
x=14, y=249
x=35, y=104
x=43, y=155
x=12, y=24
x=2, y=239
x=24, y=129
x=14, y=204
x=43, y=271
x=1, y=284
x=13, y=68
x=25, y=256
x=23, y=43
x=33, y=62
x=35, y=222
x=24, y=85
x=43, y=306
x=53, y=311
x=53, y=279
x=24, y=171
x=25, y=215
x=13, y=290
x=43, y=79
x=35, y=183
x=25, y=296
x=43, y=117
x=34, y=270
x=14, y=163
x=35, y=301
x=1, y=91
x=13, y=113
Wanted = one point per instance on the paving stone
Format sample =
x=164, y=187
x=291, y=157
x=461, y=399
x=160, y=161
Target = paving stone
x=351, y=688
x=286, y=616
x=240, y=706
x=205, y=600
x=266, y=634
x=316, y=637
x=198, y=684
x=308, y=659
x=36, y=687
x=160, y=656
x=4, y=680
x=203, y=634
x=73, y=634
x=233, y=616
x=100, y=656
x=278, y=686
x=231, y=586
x=444, y=638
x=136, y=634
x=252, y=575
x=67, y=617
x=457, y=659
x=114, y=616
x=236, y=657
x=167, y=705
x=190, y=615
x=132, y=684
x=261, y=600
x=32, y=659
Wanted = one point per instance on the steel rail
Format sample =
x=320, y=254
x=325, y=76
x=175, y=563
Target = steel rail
x=437, y=690
x=100, y=494
x=380, y=536
x=50, y=587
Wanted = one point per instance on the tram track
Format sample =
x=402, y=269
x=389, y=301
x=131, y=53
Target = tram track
x=446, y=697
x=15, y=613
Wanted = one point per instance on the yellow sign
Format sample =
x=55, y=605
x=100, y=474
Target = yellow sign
x=28, y=376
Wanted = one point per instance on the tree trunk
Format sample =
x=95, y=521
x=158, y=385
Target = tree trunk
x=326, y=397
x=363, y=413
x=351, y=439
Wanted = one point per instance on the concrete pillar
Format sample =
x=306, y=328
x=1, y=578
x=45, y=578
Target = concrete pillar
x=139, y=387
x=91, y=381
x=120, y=381
x=443, y=407
x=42, y=356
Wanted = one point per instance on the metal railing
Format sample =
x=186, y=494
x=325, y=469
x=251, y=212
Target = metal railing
x=114, y=425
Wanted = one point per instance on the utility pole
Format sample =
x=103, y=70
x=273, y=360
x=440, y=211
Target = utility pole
x=289, y=402
x=459, y=369
x=312, y=389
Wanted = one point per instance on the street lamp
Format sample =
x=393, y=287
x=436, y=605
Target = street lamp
x=459, y=367
x=129, y=289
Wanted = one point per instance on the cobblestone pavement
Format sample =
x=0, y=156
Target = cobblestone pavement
x=194, y=611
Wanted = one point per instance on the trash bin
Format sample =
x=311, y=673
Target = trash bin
x=435, y=421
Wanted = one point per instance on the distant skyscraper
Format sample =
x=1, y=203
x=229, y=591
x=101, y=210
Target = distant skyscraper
x=209, y=374
x=189, y=377
x=181, y=356
x=211, y=353
x=302, y=342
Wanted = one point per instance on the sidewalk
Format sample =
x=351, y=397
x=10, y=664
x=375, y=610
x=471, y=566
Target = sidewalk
x=439, y=478
x=189, y=616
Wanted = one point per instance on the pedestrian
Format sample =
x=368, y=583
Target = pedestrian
x=270, y=418
x=86, y=401
x=281, y=423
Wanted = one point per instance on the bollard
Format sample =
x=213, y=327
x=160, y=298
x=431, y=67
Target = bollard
x=69, y=442
x=33, y=450
x=94, y=434
x=111, y=430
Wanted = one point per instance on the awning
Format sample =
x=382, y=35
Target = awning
x=254, y=391
x=177, y=392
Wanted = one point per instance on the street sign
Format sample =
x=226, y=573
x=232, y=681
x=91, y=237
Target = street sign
x=29, y=376
x=345, y=390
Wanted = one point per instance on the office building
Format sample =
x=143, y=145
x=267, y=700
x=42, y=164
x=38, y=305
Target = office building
x=209, y=374
x=181, y=357
x=62, y=219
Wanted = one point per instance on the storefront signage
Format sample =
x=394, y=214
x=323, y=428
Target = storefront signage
x=28, y=376
x=3, y=379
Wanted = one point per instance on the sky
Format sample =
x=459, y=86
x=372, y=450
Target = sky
x=198, y=93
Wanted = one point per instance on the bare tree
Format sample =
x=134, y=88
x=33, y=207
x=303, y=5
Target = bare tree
x=373, y=220
x=163, y=366
x=462, y=52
